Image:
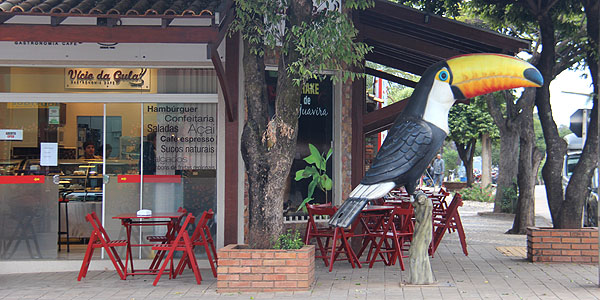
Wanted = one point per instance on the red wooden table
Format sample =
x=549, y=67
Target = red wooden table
x=128, y=220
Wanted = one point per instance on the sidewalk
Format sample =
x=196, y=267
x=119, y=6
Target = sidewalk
x=486, y=273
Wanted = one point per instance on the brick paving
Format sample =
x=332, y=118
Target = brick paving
x=485, y=274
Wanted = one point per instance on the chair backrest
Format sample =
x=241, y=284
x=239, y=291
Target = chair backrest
x=97, y=224
x=401, y=220
x=183, y=229
x=202, y=226
x=453, y=206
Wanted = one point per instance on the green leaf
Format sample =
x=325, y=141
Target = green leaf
x=327, y=182
x=311, y=188
x=300, y=175
x=329, y=154
x=304, y=202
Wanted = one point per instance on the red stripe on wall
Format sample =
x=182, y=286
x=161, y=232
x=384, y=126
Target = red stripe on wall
x=149, y=178
x=22, y=179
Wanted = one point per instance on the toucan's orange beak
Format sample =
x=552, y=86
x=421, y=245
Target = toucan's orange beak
x=479, y=74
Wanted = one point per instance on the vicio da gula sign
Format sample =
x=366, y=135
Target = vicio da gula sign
x=107, y=78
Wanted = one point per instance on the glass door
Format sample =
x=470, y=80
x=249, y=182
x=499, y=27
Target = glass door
x=28, y=195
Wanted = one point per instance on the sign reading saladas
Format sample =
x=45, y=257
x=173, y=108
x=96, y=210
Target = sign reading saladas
x=186, y=136
x=107, y=78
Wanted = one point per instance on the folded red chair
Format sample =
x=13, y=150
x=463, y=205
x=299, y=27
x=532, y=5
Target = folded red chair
x=201, y=237
x=182, y=242
x=99, y=239
x=164, y=238
x=448, y=221
x=392, y=240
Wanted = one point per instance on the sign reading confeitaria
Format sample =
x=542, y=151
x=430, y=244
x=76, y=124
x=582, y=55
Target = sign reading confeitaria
x=107, y=78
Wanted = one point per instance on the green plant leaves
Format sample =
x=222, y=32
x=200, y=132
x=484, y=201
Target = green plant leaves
x=317, y=170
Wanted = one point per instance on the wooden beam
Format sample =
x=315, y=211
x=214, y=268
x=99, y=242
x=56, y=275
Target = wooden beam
x=393, y=62
x=509, y=45
x=390, y=77
x=216, y=60
x=358, y=136
x=404, y=41
x=382, y=119
x=232, y=142
x=103, y=34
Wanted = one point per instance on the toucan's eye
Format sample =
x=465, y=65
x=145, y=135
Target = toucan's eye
x=443, y=75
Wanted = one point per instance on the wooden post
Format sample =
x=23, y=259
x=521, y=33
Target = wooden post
x=420, y=267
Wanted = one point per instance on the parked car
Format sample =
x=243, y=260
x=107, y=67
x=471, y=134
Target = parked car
x=590, y=208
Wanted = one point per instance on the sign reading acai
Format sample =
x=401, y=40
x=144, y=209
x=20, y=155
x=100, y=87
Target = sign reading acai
x=186, y=136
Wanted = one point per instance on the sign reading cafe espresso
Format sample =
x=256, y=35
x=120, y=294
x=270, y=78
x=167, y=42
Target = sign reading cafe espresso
x=107, y=78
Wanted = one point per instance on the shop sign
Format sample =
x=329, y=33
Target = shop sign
x=18, y=105
x=54, y=115
x=186, y=136
x=11, y=134
x=107, y=78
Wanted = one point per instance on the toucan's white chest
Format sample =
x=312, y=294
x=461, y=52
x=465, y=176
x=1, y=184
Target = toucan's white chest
x=439, y=102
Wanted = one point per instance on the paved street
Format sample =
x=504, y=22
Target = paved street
x=494, y=269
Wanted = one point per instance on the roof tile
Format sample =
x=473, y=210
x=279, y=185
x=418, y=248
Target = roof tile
x=111, y=7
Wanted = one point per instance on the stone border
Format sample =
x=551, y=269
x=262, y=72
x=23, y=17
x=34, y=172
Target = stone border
x=546, y=244
x=265, y=270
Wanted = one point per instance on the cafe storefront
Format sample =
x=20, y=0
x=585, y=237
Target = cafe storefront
x=108, y=139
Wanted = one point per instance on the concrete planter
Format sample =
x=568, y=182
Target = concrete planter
x=265, y=270
x=546, y=244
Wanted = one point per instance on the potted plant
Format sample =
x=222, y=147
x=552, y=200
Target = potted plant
x=288, y=267
x=317, y=171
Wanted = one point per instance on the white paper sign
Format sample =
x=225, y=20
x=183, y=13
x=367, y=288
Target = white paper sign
x=48, y=154
x=11, y=134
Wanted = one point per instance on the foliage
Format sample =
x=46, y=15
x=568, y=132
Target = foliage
x=467, y=122
x=449, y=8
x=478, y=193
x=510, y=196
x=451, y=159
x=317, y=170
x=289, y=241
x=327, y=42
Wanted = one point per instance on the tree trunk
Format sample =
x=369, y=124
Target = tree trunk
x=556, y=147
x=420, y=267
x=529, y=159
x=577, y=190
x=509, y=143
x=268, y=146
x=465, y=152
x=486, y=160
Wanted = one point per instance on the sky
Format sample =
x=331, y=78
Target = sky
x=564, y=103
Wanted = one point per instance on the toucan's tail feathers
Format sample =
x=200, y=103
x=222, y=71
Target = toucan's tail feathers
x=349, y=210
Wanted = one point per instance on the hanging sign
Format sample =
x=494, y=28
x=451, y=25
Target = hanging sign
x=107, y=78
x=11, y=134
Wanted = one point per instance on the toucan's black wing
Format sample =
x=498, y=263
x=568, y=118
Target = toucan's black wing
x=409, y=146
x=408, y=142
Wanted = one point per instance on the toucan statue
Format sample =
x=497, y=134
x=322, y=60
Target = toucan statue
x=419, y=131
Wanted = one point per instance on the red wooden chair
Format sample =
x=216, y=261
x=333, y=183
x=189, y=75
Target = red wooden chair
x=448, y=221
x=321, y=235
x=201, y=237
x=182, y=242
x=164, y=238
x=99, y=239
x=396, y=234
x=327, y=238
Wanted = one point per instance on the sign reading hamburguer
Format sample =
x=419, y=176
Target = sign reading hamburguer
x=186, y=136
x=107, y=78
